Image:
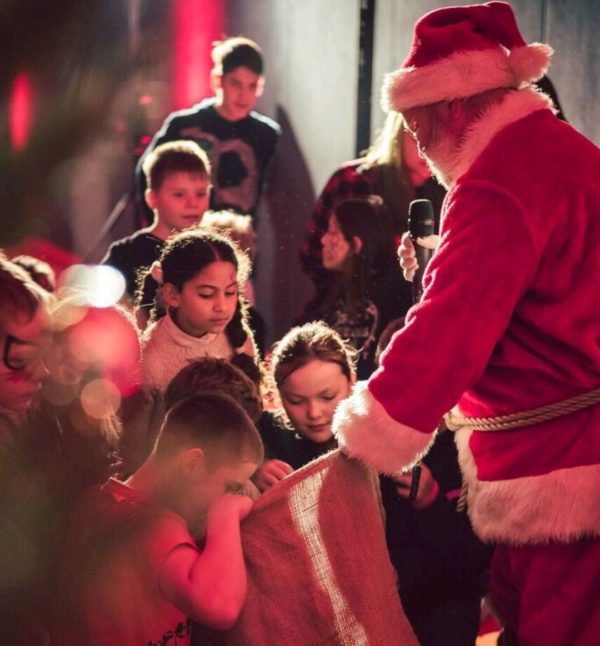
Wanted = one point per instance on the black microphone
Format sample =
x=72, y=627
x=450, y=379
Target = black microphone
x=420, y=225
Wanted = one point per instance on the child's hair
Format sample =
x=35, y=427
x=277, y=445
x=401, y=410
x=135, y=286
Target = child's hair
x=370, y=220
x=214, y=422
x=187, y=253
x=210, y=374
x=174, y=157
x=19, y=294
x=234, y=52
x=315, y=340
x=237, y=226
x=39, y=271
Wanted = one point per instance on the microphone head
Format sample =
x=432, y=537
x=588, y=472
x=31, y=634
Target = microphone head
x=420, y=219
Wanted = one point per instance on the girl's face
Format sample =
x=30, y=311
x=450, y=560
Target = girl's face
x=336, y=248
x=309, y=396
x=207, y=301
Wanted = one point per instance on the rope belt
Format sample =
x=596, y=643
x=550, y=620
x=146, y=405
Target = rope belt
x=456, y=422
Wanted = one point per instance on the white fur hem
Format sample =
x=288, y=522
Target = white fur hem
x=366, y=432
x=562, y=505
x=464, y=74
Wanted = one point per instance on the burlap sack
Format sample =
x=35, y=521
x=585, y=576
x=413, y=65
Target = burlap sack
x=318, y=567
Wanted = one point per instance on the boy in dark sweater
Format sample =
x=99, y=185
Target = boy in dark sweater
x=178, y=177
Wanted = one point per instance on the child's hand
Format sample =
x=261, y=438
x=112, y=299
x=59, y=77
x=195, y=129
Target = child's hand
x=230, y=504
x=271, y=472
x=426, y=493
x=406, y=253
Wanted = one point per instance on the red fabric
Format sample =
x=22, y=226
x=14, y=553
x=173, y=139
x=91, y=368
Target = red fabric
x=510, y=292
x=550, y=592
x=448, y=30
x=117, y=548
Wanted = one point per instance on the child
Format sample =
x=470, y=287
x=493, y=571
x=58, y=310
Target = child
x=240, y=142
x=241, y=230
x=392, y=169
x=439, y=561
x=178, y=177
x=312, y=369
x=202, y=274
x=368, y=289
x=208, y=374
x=133, y=573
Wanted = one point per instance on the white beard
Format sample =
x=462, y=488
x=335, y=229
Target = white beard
x=441, y=158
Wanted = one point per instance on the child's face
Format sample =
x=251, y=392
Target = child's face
x=22, y=343
x=309, y=396
x=229, y=476
x=206, y=302
x=336, y=248
x=180, y=201
x=237, y=92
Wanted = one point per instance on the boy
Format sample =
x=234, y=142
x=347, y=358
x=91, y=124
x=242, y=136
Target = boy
x=178, y=178
x=239, y=141
x=133, y=573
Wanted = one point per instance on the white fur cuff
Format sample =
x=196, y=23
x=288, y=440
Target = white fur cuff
x=561, y=505
x=365, y=431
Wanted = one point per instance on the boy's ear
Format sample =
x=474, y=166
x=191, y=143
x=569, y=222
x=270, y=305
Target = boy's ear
x=150, y=198
x=170, y=295
x=193, y=461
x=260, y=86
x=357, y=244
x=215, y=81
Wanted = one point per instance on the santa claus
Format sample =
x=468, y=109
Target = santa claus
x=509, y=322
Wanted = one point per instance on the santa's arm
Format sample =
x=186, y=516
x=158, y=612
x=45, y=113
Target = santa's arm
x=474, y=281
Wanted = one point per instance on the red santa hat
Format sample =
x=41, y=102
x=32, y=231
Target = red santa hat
x=462, y=51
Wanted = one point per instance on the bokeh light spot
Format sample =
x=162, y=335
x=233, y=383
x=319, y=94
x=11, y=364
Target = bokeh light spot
x=100, y=398
x=93, y=285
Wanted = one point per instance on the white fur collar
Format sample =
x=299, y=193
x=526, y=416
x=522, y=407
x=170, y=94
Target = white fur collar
x=515, y=106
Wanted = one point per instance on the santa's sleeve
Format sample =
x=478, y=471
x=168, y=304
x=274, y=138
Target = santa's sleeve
x=486, y=258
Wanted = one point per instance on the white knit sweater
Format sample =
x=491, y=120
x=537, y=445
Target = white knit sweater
x=166, y=349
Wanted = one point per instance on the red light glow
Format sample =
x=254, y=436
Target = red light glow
x=20, y=111
x=197, y=23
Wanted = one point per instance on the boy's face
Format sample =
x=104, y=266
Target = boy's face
x=180, y=202
x=227, y=476
x=22, y=344
x=237, y=92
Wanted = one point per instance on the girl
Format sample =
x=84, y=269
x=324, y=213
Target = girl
x=439, y=561
x=313, y=370
x=368, y=290
x=201, y=273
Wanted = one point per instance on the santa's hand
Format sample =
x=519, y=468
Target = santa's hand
x=271, y=472
x=427, y=488
x=407, y=256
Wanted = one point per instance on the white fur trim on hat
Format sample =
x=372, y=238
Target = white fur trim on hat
x=366, y=432
x=561, y=505
x=464, y=74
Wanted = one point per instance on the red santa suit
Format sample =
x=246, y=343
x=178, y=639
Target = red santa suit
x=509, y=321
